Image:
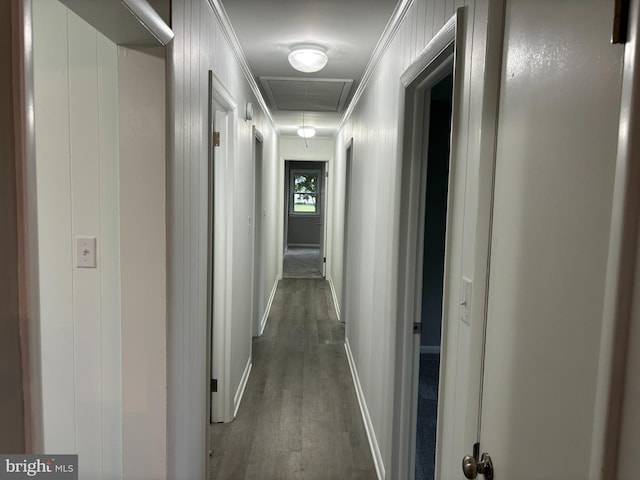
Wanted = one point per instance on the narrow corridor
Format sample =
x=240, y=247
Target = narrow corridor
x=299, y=418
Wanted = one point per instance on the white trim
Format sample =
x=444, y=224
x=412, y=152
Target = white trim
x=430, y=349
x=389, y=33
x=368, y=425
x=434, y=48
x=334, y=296
x=149, y=19
x=267, y=311
x=222, y=406
x=240, y=391
x=621, y=267
x=234, y=44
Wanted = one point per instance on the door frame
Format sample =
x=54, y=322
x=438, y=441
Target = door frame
x=257, y=250
x=614, y=387
x=348, y=158
x=323, y=167
x=436, y=61
x=222, y=118
x=447, y=45
x=459, y=424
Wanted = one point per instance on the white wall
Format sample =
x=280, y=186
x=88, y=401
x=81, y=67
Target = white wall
x=77, y=181
x=142, y=126
x=200, y=45
x=316, y=148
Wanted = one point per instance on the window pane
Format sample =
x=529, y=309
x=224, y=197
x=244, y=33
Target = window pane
x=304, y=202
x=305, y=182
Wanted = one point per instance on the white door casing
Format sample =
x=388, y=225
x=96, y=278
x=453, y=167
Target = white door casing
x=223, y=114
x=436, y=62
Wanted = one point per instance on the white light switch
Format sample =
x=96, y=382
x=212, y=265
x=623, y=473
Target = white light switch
x=465, y=301
x=86, y=252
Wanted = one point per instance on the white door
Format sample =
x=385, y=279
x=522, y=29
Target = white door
x=556, y=151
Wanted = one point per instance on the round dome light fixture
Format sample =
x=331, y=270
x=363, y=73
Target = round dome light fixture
x=306, y=132
x=308, y=59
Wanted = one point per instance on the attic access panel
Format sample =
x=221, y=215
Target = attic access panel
x=315, y=95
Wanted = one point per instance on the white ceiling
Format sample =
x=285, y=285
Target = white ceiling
x=349, y=31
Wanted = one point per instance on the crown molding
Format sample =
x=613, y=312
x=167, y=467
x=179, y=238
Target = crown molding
x=388, y=35
x=230, y=35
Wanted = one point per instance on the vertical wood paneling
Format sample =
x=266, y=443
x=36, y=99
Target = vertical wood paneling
x=76, y=155
x=85, y=198
x=420, y=24
x=51, y=78
x=109, y=236
x=439, y=12
x=428, y=20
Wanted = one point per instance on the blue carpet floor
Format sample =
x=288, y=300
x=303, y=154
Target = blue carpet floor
x=427, y=416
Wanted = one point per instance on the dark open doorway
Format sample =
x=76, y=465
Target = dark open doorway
x=436, y=153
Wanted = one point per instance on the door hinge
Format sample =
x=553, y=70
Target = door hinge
x=215, y=139
x=620, y=21
x=214, y=385
x=417, y=328
x=324, y=259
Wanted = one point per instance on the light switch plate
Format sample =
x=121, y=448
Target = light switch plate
x=465, y=301
x=86, y=252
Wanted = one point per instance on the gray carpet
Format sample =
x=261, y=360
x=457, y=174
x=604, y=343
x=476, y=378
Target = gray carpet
x=299, y=418
x=302, y=262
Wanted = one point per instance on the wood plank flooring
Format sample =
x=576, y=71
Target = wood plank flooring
x=299, y=418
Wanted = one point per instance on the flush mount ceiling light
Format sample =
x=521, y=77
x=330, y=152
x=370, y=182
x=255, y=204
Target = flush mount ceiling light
x=306, y=132
x=308, y=59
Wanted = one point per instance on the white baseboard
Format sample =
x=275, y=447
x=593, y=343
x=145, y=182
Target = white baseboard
x=429, y=349
x=265, y=317
x=335, y=297
x=368, y=425
x=243, y=383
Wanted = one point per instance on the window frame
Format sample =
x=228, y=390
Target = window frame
x=292, y=192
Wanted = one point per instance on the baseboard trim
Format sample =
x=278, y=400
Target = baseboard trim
x=267, y=311
x=429, y=349
x=368, y=425
x=243, y=383
x=334, y=296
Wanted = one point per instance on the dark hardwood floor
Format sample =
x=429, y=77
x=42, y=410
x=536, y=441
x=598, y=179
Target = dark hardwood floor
x=299, y=418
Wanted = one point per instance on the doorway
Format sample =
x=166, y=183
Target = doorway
x=258, y=215
x=435, y=154
x=429, y=249
x=304, y=234
x=345, y=239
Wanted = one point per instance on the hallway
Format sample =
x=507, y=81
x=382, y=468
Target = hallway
x=299, y=417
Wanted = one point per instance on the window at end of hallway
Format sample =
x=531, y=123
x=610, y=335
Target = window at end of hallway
x=304, y=192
